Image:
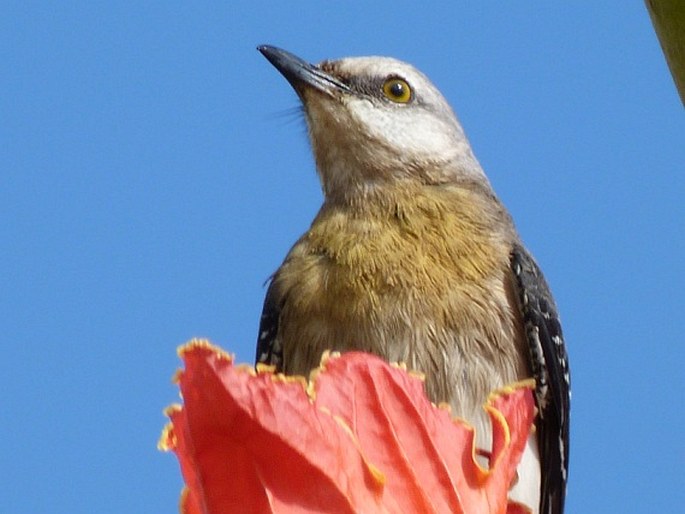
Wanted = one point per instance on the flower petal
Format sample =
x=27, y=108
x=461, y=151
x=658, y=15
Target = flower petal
x=255, y=441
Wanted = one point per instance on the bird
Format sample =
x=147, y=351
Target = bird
x=413, y=257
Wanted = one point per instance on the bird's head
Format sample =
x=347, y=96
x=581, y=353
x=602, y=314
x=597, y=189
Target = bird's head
x=374, y=121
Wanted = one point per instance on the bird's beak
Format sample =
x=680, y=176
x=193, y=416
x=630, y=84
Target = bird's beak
x=300, y=73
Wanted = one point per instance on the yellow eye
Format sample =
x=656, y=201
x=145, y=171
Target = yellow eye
x=397, y=90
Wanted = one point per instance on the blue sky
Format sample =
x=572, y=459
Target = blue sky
x=152, y=176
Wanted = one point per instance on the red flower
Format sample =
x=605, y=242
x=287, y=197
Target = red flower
x=360, y=436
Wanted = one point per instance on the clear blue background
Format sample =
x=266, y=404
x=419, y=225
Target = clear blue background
x=153, y=175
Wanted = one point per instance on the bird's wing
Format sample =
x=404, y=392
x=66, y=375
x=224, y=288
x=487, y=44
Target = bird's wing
x=269, y=347
x=549, y=364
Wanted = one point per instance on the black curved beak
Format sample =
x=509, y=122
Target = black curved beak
x=299, y=72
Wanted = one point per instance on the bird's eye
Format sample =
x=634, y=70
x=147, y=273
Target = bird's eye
x=397, y=90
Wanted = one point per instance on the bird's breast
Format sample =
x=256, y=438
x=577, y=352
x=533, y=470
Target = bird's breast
x=428, y=288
